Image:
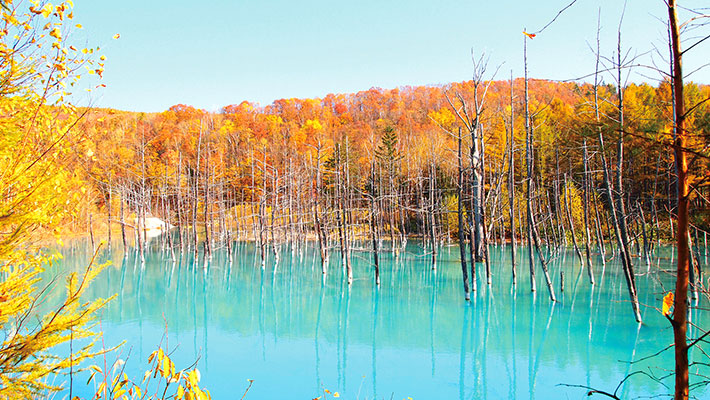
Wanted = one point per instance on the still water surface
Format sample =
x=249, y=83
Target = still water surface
x=295, y=334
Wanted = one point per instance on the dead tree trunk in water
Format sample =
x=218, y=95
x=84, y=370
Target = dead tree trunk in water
x=528, y=180
x=432, y=209
x=609, y=189
x=619, y=184
x=123, y=219
x=462, y=240
x=482, y=205
x=206, y=206
x=587, y=236
x=316, y=216
x=511, y=183
x=179, y=202
x=571, y=222
x=108, y=217
x=532, y=229
x=373, y=224
x=195, y=196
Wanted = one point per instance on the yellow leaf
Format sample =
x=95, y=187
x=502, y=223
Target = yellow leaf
x=56, y=33
x=667, y=303
x=47, y=10
x=336, y=394
x=79, y=26
x=116, y=36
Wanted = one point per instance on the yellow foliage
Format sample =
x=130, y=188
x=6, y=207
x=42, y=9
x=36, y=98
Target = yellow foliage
x=25, y=363
x=667, y=303
x=445, y=118
x=37, y=182
x=313, y=126
x=171, y=384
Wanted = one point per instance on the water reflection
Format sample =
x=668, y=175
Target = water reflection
x=295, y=333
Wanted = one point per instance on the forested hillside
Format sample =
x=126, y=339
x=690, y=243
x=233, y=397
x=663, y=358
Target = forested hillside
x=300, y=166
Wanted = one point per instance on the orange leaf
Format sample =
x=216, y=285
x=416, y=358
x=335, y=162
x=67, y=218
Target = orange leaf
x=667, y=303
x=530, y=35
x=116, y=36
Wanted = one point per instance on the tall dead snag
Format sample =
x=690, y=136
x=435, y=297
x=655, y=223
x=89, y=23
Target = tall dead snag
x=462, y=240
x=336, y=163
x=316, y=214
x=529, y=165
x=532, y=229
x=609, y=190
x=587, y=235
x=123, y=218
x=109, y=199
x=619, y=185
x=373, y=223
x=571, y=222
x=511, y=181
x=432, y=210
x=206, y=206
x=262, y=211
x=680, y=313
x=195, y=197
x=469, y=114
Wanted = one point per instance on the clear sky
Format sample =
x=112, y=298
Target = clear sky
x=213, y=53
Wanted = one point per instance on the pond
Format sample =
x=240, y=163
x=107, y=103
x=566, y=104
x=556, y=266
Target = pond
x=295, y=333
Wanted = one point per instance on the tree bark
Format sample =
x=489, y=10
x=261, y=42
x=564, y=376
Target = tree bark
x=680, y=312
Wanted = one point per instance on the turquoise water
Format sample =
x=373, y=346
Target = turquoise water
x=295, y=334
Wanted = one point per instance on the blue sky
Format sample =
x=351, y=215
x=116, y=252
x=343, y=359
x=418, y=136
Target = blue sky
x=214, y=53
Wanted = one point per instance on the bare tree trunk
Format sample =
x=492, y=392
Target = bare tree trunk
x=476, y=198
x=532, y=229
x=432, y=219
x=178, y=192
x=628, y=270
x=373, y=225
x=206, y=206
x=195, y=197
x=511, y=184
x=108, y=217
x=528, y=180
x=558, y=218
x=620, y=208
x=482, y=209
x=571, y=223
x=262, y=211
x=274, y=206
x=123, y=219
x=316, y=217
x=462, y=240
x=587, y=235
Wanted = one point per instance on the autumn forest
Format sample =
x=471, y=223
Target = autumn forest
x=497, y=178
